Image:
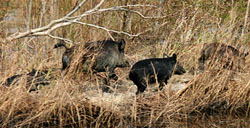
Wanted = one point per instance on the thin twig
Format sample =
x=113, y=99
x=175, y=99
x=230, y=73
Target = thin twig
x=138, y=5
x=104, y=28
x=60, y=38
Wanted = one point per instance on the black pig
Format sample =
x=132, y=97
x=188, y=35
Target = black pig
x=222, y=55
x=35, y=77
x=108, y=55
x=67, y=55
x=146, y=71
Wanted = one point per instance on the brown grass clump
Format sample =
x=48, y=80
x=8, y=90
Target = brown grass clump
x=214, y=98
x=61, y=106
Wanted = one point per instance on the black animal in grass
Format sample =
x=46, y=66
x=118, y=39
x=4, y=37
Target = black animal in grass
x=147, y=71
x=107, y=54
x=222, y=56
x=67, y=55
x=34, y=79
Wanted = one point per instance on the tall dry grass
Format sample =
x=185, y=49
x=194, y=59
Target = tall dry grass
x=215, y=98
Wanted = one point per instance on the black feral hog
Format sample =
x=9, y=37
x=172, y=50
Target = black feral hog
x=34, y=78
x=67, y=55
x=221, y=55
x=146, y=71
x=101, y=56
x=110, y=54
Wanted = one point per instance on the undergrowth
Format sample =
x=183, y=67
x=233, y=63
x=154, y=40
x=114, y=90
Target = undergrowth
x=214, y=98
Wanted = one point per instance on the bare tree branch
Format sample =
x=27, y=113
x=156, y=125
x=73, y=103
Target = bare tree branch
x=69, y=20
x=52, y=25
x=76, y=8
x=118, y=8
x=89, y=11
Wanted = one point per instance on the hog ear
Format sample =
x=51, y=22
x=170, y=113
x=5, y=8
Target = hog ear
x=110, y=39
x=246, y=54
x=122, y=44
x=33, y=70
x=165, y=55
x=174, y=56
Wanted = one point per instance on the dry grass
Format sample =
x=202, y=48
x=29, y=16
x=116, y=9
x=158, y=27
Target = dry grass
x=215, y=98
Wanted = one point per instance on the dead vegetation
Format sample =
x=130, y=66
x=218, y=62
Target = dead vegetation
x=214, y=98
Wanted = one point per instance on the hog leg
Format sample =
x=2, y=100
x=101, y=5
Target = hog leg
x=161, y=85
x=112, y=74
x=141, y=86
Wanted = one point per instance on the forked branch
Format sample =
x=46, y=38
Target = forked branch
x=69, y=20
